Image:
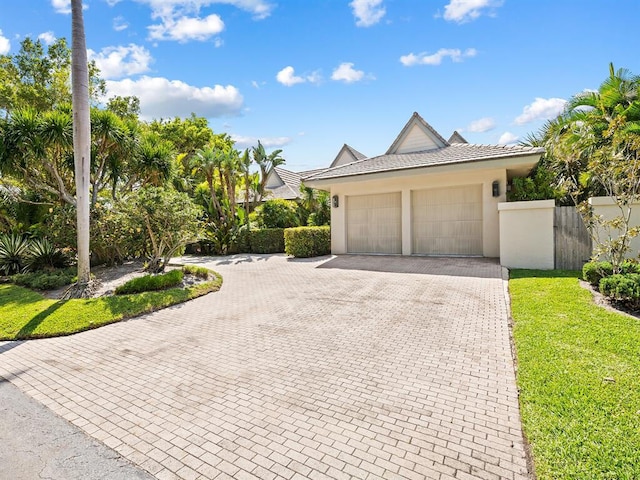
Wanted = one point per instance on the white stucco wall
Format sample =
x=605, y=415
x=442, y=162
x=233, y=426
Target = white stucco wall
x=405, y=183
x=606, y=207
x=526, y=234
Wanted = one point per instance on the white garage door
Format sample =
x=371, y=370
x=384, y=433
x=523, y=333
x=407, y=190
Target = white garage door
x=447, y=221
x=374, y=223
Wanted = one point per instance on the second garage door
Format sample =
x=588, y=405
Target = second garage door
x=374, y=223
x=447, y=221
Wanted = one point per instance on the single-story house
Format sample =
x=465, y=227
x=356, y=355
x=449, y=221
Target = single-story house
x=285, y=184
x=425, y=195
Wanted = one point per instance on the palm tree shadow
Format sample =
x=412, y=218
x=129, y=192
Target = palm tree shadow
x=26, y=330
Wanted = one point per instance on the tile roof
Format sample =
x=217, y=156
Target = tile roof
x=453, y=154
x=290, y=190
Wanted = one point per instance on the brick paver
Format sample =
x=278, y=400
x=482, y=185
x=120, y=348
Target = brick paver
x=353, y=367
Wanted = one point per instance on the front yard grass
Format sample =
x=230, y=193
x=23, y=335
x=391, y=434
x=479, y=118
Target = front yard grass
x=26, y=314
x=579, y=379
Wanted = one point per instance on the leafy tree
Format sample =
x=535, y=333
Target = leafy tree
x=127, y=108
x=188, y=135
x=169, y=220
x=38, y=78
x=277, y=213
x=315, y=207
x=596, y=144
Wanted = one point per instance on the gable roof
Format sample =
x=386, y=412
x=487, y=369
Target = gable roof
x=457, y=138
x=456, y=153
x=350, y=151
x=290, y=188
x=428, y=130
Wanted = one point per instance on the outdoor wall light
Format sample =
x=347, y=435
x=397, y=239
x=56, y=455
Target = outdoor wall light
x=495, y=189
x=335, y=201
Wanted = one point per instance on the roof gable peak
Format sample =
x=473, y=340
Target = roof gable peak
x=417, y=135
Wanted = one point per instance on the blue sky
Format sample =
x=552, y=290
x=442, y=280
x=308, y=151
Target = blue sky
x=309, y=75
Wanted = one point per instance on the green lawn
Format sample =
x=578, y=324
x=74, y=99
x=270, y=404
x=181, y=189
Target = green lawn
x=579, y=376
x=27, y=314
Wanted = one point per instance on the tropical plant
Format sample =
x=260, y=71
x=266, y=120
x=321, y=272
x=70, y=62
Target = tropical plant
x=43, y=255
x=169, y=220
x=14, y=251
x=266, y=163
x=277, y=213
x=596, y=146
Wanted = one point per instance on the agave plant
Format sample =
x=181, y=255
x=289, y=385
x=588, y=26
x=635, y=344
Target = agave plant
x=14, y=252
x=43, y=255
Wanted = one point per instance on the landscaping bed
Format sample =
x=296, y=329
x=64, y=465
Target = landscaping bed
x=26, y=313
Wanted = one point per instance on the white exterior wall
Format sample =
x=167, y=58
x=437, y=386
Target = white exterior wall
x=606, y=207
x=526, y=234
x=344, y=157
x=405, y=184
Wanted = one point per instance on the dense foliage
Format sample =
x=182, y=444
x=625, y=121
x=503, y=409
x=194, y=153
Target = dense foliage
x=303, y=242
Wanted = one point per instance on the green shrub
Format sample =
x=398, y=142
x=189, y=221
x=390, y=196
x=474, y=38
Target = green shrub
x=197, y=271
x=43, y=255
x=150, y=283
x=277, y=213
x=45, y=280
x=623, y=288
x=593, y=272
x=305, y=242
x=14, y=252
x=267, y=240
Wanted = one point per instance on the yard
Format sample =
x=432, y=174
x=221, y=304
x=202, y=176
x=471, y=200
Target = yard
x=578, y=370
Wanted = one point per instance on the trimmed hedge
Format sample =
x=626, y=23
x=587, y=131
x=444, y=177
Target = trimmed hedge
x=593, y=272
x=303, y=242
x=150, y=283
x=267, y=240
x=623, y=288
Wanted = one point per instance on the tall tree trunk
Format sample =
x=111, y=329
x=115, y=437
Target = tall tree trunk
x=81, y=136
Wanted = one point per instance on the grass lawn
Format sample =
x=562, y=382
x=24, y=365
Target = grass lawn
x=25, y=313
x=579, y=376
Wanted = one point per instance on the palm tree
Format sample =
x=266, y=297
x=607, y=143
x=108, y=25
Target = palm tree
x=81, y=137
x=266, y=164
x=207, y=162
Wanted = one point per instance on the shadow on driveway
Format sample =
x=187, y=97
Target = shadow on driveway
x=478, y=267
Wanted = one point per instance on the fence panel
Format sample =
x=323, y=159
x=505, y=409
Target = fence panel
x=572, y=241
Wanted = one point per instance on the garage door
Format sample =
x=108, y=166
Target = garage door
x=447, y=221
x=374, y=223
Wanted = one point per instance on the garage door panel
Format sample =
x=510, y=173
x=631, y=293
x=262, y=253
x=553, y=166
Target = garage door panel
x=374, y=223
x=447, y=221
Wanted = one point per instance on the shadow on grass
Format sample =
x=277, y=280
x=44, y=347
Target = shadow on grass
x=28, y=329
x=523, y=273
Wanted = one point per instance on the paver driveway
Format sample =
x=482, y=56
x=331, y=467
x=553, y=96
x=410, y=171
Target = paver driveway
x=352, y=367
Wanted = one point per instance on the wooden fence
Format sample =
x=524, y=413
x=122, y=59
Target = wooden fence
x=572, y=241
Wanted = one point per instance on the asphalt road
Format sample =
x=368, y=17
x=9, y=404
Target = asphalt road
x=37, y=444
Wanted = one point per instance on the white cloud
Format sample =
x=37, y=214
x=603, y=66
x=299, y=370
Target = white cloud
x=119, y=24
x=541, y=109
x=482, y=125
x=47, y=37
x=184, y=29
x=61, y=6
x=467, y=10
x=367, y=12
x=121, y=61
x=288, y=78
x=166, y=9
x=507, y=138
x=160, y=97
x=243, y=141
x=346, y=73
x=5, y=44
x=218, y=42
x=455, y=54
x=113, y=3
